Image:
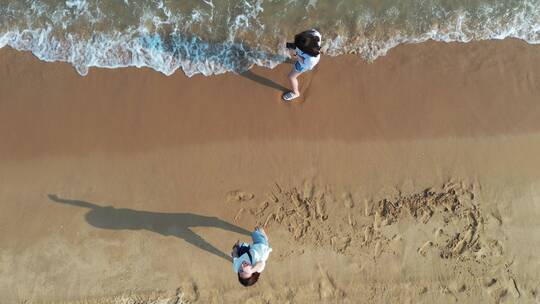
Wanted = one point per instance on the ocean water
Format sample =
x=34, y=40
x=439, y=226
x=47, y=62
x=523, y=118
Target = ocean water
x=218, y=36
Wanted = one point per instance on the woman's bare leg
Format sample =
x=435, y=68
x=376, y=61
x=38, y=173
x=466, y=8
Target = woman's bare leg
x=294, y=82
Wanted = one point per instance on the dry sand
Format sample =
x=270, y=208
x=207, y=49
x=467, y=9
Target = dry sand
x=413, y=179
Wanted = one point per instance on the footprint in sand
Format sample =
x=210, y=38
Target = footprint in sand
x=377, y=251
x=348, y=200
x=268, y=219
x=495, y=289
x=272, y=197
x=327, y=288
x=496, y=248
x=262, y=207
x=426, y=215
x=340, y=244
x=308, y=190
x=498, y=294
x=321, y=194
x=458, y=287
x=238, y=214
x=490, y=282
x=424, y=248
x=351, y=220
x=495, y=216
x=439, y=232
x=188, y=292
x=459, y=243
x=277, y=188
x=368, y=235
x=378, y=220
x=239, y=196
x=320, y=211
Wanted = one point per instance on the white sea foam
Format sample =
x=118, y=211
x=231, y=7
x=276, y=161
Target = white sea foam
x=163, y=39
x=191, y=55
x=78, y=5
x=522, y=25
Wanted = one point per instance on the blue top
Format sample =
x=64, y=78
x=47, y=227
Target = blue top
x=259, y=250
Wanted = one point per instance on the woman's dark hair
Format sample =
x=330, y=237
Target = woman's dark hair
x=308, y=43
x=249, y=281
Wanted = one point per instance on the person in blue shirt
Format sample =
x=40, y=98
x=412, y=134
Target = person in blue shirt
x=306, y=51
x=250, y=260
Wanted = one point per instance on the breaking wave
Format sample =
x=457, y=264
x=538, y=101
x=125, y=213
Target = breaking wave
x=212, y=37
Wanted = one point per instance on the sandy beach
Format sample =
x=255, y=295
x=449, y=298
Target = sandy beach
x=412, y=179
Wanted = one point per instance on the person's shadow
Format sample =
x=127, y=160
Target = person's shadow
x=175, y=224
x=263, y=81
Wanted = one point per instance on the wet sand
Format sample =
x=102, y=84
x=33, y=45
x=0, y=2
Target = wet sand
x=130, y=185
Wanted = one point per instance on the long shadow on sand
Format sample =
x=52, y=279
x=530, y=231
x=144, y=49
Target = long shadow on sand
x=176, y=224
x=264, y=81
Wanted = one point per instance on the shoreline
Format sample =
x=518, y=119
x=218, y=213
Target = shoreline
x=380, y=85
x=422, y=116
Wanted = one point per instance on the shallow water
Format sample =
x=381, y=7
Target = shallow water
x=212, y=37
